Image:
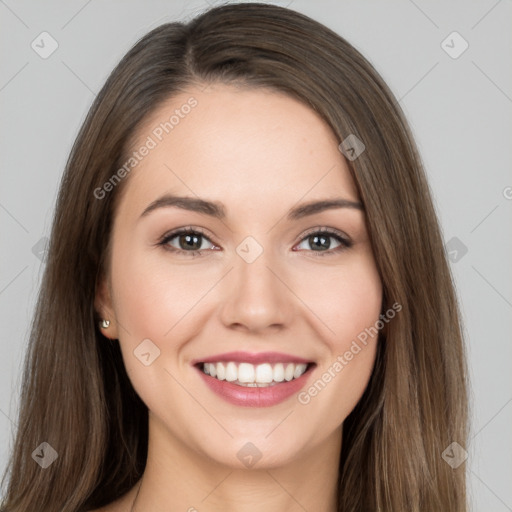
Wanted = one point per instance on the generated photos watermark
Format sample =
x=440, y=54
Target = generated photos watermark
x=304, y=397
x=157, y=135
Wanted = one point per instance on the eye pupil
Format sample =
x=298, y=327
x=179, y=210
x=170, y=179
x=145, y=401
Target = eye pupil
x=191, y=241
x=322, y=241
x=188, y=241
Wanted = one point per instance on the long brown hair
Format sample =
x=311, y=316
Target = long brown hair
x=76, y=395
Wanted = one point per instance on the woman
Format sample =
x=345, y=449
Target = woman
x=246, y=302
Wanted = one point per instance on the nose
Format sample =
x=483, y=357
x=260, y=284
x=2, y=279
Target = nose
x=257, y=298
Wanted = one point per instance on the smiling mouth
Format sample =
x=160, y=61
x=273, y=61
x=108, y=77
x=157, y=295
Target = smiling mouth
x=250, y=375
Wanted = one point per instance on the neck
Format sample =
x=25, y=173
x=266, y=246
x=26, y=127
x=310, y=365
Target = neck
x=178, y=478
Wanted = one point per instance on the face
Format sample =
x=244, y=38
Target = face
x=236, y=300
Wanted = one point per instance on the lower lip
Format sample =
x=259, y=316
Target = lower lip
x=254, y=396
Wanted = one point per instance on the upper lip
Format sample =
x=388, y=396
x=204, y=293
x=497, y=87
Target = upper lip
x=247, y=357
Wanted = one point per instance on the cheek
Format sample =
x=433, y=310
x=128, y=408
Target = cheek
x=346, y=299
x=152, y=296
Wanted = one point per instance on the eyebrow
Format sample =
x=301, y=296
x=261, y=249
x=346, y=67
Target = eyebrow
x=216, y=209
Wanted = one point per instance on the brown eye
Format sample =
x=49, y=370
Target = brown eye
x=186, y=241
x=324, y=242
x=190, y=241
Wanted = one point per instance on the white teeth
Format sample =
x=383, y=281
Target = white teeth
x=299, y=370
x=249, y=375
x=221, y=370
x=279, y=372
x=231, y=372
x=264, y=373
x=245, y=372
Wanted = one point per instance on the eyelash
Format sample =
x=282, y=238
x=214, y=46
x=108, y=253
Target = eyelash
x=345, y=243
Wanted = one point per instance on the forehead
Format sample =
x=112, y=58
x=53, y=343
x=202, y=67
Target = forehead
x=237, y=145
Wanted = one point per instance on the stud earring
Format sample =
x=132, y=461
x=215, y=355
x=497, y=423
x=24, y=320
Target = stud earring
x=104, y=324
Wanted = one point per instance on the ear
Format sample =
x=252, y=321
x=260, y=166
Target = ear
x=103, y=307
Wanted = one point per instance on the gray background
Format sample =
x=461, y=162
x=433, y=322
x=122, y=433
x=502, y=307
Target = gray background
x=459, y=109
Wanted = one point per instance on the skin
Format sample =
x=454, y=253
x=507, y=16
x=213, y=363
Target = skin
x=260, y=153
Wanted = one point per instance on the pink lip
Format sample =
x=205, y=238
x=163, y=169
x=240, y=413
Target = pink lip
x=254, y=397
x=246, y=357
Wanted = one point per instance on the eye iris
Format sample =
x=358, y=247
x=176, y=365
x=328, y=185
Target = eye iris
x=193, y=241
x=322, y=241
x=188, y=241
